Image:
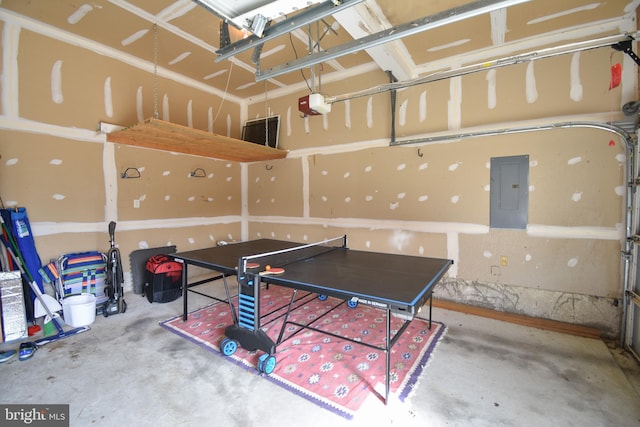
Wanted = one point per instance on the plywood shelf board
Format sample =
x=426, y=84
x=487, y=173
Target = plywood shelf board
x=162, y=135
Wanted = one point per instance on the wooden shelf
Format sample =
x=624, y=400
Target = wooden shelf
x=161, y=135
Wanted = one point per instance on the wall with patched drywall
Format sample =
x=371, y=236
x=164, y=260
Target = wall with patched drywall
x=341, y=175
x=55, y=162
x=433, y=199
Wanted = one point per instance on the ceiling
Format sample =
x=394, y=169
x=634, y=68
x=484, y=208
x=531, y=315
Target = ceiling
x=186, y=36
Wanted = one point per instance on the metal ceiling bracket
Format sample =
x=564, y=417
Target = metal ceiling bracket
x=625, y=46
x=327, y=29
x=393, y=79
x=255, y=58
x=225, y=38
x=303, y=18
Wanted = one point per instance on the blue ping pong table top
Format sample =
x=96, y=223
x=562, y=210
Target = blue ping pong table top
x=399, y=282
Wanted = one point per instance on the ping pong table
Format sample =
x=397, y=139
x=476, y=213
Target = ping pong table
x=398, y=284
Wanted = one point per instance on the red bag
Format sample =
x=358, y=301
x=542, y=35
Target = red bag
x=162, y=264
x=163, y=279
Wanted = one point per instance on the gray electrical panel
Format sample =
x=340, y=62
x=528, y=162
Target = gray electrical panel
x=509, y=192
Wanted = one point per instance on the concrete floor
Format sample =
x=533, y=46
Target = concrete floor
x=129, y=371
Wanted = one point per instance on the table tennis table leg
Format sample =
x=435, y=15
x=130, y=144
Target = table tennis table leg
x=286, y=317
x=184, y=289
x=234, y=317
x=430, y=309
x=388, y=354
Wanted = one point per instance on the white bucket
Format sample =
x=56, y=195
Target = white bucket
x=79, y=310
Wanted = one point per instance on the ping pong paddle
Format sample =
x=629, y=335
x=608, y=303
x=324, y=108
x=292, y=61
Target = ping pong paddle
x=251, y=265
x=271, y=270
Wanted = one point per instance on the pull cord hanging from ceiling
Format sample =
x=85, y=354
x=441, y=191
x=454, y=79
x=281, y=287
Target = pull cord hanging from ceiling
x=155, y=70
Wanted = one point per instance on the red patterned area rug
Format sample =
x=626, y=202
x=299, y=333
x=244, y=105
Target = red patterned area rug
x=334, y=373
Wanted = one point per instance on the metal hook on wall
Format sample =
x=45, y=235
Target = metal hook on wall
x=198, y=173
x=129, y=173
x=420, y=153
x=268, y=167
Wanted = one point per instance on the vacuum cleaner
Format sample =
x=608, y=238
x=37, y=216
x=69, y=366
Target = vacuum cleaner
x=114, y=278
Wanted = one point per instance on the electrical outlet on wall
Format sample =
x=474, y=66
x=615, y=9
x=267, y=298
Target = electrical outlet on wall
x=136, y=203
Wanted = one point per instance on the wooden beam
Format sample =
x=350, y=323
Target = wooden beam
x=534, y=322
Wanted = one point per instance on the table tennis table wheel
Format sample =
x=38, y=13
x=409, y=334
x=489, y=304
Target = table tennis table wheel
x=352, y=304
x=266, y=363
x=228, y=346
x=322, y=297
